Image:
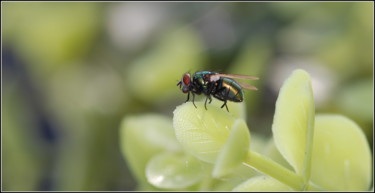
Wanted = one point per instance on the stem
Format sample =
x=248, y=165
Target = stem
x=275, y=170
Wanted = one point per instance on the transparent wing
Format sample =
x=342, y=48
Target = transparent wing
x=237, y=76
x=247, y=86
x=214, y=77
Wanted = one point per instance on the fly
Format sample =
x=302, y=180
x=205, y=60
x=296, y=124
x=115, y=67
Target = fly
x=220, y=86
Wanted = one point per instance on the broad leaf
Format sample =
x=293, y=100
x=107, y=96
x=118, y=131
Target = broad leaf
x=294, y=121
x=204, y=132
x=341, y=155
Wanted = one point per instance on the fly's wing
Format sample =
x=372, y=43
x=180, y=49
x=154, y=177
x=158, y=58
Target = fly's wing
x=236, y=76
x=216, y=77
x=247, y=86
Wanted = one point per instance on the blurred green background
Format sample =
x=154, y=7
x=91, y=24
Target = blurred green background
x=72, y=70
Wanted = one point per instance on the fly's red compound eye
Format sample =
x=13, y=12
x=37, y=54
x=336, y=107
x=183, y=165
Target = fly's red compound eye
x=186, y=79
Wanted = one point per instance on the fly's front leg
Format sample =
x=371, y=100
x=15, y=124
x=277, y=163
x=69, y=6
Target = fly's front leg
x=188, y=97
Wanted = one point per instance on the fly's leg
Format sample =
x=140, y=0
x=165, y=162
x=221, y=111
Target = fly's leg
x=205, y=103
x=211, y=87
x=193, y=100
x=187, y=97
x=225, y=102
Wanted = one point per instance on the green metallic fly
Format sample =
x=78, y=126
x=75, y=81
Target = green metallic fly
x=220, y=86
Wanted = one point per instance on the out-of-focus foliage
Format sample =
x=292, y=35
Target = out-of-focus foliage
x=23, y=158
x=178, y=51
x=72, y=71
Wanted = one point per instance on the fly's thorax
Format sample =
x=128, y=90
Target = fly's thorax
x=202, y=81
x=199, y=80
x=204, y=75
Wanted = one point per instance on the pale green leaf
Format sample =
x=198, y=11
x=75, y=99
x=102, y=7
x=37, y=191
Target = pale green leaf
x=203, y=132
x=144, y=136
x=294, y=120
x=234, y=151
x=341, y=155
x=173, y=171
x=260, y=184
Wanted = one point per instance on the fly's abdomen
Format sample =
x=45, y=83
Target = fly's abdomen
x=228, y=89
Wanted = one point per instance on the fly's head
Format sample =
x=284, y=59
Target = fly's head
x=185, y=83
